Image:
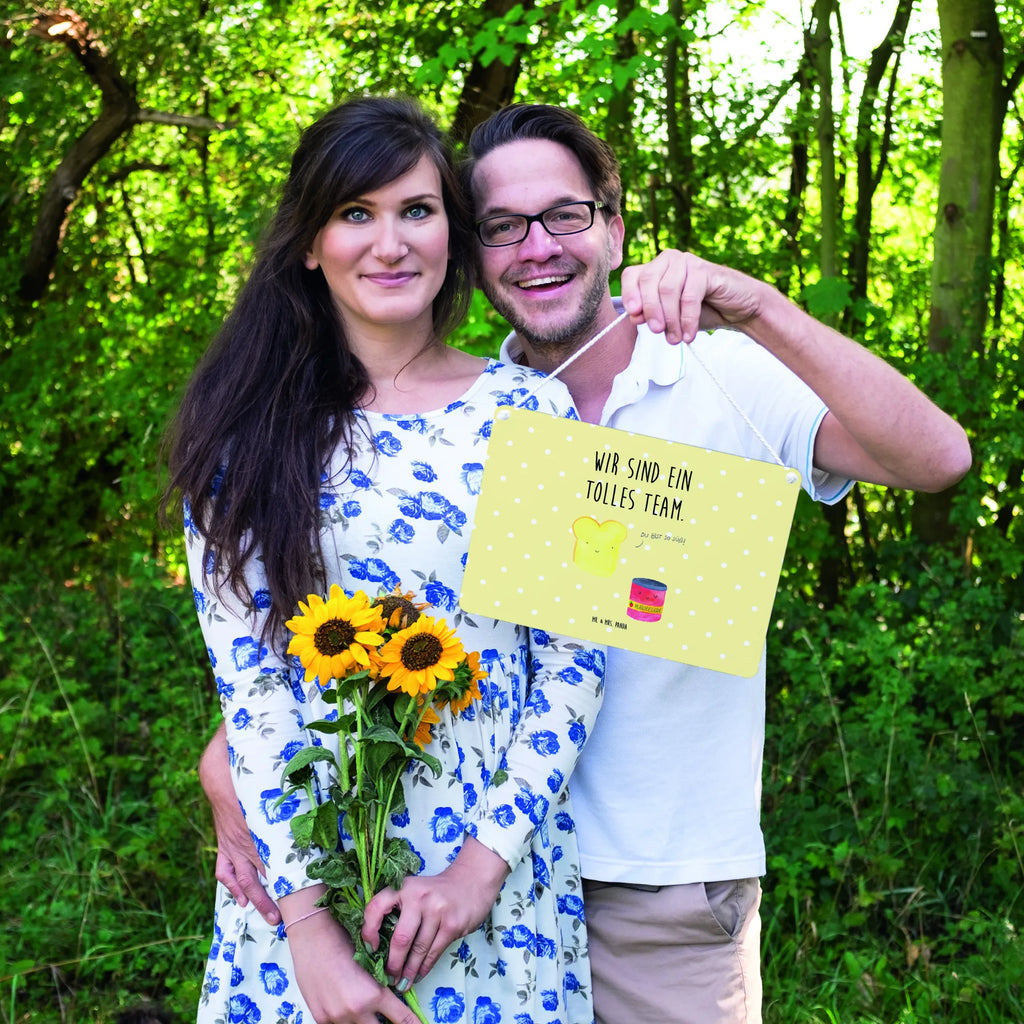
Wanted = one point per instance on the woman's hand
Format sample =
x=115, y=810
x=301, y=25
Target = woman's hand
x=238, y=865
x=336, y=989
x=435, y=910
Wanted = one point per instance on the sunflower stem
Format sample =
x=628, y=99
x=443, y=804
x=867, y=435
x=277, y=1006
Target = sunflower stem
x=360, y=834
x=414, y=1004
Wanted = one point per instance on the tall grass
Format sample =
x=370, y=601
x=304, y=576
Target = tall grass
x=893, y=801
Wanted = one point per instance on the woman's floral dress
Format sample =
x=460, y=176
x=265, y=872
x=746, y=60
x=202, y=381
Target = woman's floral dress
x=402, y=516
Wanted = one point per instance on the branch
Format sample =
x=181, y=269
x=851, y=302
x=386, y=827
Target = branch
x=119, y=112
x=206, y=124
x=65, y=26
x=1013, y=80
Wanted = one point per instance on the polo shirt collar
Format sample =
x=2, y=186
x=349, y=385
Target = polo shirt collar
x=653, y=358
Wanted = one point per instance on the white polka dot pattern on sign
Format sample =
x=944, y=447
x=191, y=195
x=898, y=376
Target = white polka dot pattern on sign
x=708, y=529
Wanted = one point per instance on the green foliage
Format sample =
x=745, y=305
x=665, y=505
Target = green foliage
x=894, y=816
x=107, y=872
x=892, y=774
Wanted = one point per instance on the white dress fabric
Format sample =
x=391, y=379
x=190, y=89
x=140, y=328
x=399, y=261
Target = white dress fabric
x=401, y=515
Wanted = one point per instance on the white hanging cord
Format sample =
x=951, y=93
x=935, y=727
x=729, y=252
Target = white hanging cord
x=735, y=405
x=690, y=348
x=572, y=359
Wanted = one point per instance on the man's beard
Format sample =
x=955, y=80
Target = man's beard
x=569, y=335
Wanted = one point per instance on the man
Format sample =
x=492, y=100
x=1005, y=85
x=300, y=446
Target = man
x=667, y=791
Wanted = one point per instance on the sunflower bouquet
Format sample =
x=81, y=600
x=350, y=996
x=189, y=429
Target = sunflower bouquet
x=390, y=669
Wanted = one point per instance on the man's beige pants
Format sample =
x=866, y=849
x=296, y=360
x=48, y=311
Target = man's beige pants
x=675, y=954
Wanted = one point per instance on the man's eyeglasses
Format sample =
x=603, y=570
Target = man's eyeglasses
x=563, y=219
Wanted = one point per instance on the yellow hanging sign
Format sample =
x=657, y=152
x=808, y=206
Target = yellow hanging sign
x=627, y=540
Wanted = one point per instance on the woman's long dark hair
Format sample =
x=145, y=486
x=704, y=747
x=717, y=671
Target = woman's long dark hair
x=275, y=394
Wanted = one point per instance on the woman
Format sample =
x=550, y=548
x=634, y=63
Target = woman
x=330, y=436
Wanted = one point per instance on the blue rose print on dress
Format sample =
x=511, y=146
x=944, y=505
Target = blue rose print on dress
x=538, y=702
x=424, y=472
x=573, y=676
x=351, y=508
x=541, y=874
x=190, y=526
x=261, y=600
x=357, y=478
x=401, y=531
x=387, y=444
x=199, y=598
x=374, y=570
x=454, y=518
x=572, y=905
x=484, y=433
x=472, y=476
x=540, y=637
x=441, y=596
x=549, y=999
x=218, y=937
x=555, y=780
x=289, y=750
x=274, y=811
x=241, y=718
x=433, y=505
x=590, y=661
x=282, y=887
x=578, y=734
x=564, y=822
x=545, y=742
x=327, y=500
x=242, y=1010
x=261, y=847
x=519, y=937
x=448, y=1006
x=274, y=979
x=486, y=1011
x=247, y=652
x=446, y=825
x=546, y=948
x=533, y=805
x=414, y=424
x=504, y=815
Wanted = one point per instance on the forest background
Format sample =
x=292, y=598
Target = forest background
x=866, y=157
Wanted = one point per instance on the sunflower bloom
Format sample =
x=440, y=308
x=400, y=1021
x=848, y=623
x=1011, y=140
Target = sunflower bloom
x=416, y=658
x=424, y=734
x=399, y=609
x=473, y=690
x=335, y=636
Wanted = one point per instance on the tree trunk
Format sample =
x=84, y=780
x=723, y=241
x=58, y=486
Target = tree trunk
x=679, y=131
x=869, y=172
x=973, y=106
x=486, y=88
x=835, y=563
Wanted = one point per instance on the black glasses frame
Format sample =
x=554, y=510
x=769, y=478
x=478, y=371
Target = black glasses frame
x=529, y=218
